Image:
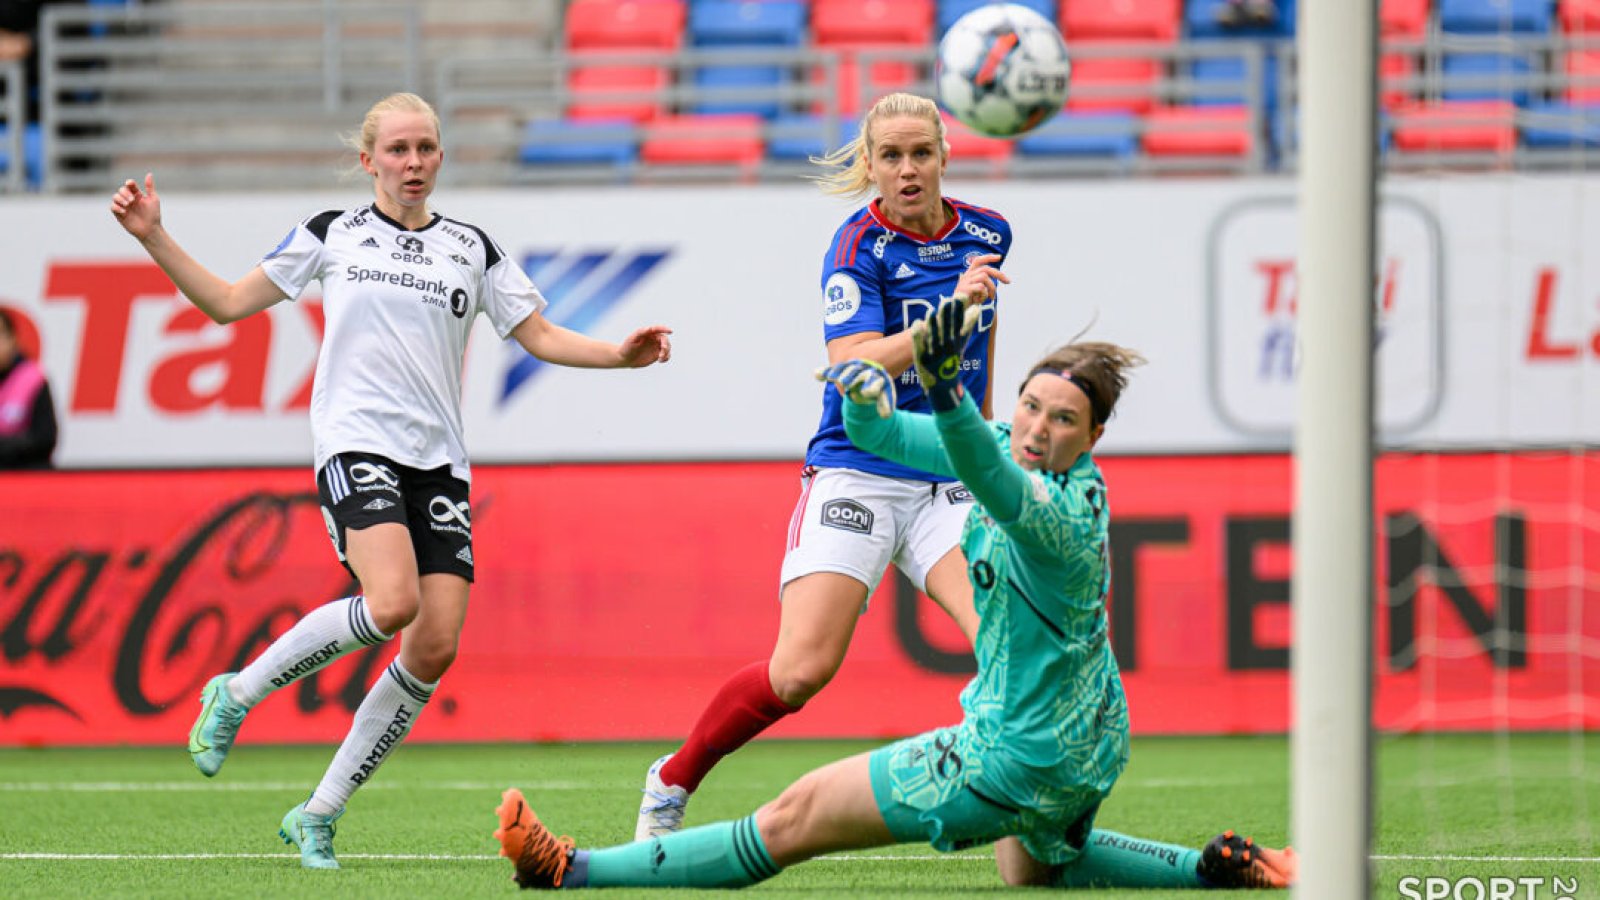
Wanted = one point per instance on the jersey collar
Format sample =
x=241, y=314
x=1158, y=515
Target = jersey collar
x=396, y=225
x=949, y=225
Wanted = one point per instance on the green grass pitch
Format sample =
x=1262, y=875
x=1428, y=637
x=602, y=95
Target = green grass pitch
x=141, y=822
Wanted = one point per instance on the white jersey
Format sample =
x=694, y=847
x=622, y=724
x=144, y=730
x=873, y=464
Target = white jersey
x=398, y=306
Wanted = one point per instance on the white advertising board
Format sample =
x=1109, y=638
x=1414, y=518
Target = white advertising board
x=1489, y=325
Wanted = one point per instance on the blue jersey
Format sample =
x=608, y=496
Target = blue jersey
x=880, y=278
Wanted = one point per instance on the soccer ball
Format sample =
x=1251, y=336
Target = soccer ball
x=1002, y=70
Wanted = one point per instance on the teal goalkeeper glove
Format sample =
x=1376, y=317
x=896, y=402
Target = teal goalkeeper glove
x=862, y=381
x=936, y=345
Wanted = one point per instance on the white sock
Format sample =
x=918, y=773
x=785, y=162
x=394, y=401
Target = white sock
x=322, y=636
x=382, y=722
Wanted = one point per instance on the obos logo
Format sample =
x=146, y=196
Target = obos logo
x=847, y=515
x=841, y=297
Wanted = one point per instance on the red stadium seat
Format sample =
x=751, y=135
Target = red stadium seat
x=1579, y=16
x=616, y=92
x=727, y=139
x=1583, y=74
x=1403, y=18
x=625, y=24
x=1114, y=83
x=856, y=87
x=1455, y=126
x=966, y=144
x=858, y=22
x=1198, y=131
x=1122, y=20
x=1396, y=66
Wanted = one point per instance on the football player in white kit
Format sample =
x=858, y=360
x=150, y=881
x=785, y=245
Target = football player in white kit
x=401, y=288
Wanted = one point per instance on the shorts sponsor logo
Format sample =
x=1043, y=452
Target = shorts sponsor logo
x=451, y=516
x=398, y=726
x=465, y=555
x=333, y=531
x=841, y=297
x=379, y=504
x=958, y=495
x=374, y=477
x=847, y=515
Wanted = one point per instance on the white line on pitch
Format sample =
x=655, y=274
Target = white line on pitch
x=118, y=787
x=448, y=857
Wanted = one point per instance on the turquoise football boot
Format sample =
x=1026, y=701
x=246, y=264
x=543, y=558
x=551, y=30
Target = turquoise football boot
x=212, y=735
x=313, y=834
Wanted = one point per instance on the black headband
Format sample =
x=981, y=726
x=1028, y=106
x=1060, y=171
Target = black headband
x=1097, y=407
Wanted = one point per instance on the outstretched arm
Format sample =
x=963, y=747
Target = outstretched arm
x=139, y=212
x=564, y=347
x=875, y=426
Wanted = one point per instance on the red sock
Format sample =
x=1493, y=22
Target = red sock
x=742, y=709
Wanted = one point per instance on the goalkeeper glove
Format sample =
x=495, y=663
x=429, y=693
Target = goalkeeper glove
x=936, y=345
x=862, y=381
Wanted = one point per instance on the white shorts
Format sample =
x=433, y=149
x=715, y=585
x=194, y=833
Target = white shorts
x=856, y=524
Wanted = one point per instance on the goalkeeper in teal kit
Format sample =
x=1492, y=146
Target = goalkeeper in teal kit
x=1045, y=731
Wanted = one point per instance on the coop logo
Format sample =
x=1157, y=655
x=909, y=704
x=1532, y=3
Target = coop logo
x=1253, y=306
x=1498, y=887
x=882, y=243
x=847, y=515
x=581, y=288
x=981, y=233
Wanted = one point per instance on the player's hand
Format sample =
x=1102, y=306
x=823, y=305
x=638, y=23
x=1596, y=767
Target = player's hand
x=139, y=211
x=646, y=346
x=936, y=345
x=862, y=381
x=977, y=284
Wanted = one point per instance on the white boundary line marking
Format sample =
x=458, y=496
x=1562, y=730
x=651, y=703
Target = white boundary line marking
x=456, y=857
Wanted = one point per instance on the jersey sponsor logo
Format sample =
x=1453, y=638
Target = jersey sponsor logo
x=882, y=243
x=466, y=239
x=935, y=252
x=370, y=242
x=451, y=516
x=841, y=297
x=281, y=244
x=357, y=219
x=411, y=250
x=980, y=232
x=847, y=515
x=905, y=271
x=425, y=286
x=458, y=302
x=581, y=288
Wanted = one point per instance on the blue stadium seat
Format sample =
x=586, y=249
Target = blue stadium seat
x=1231, y=70
x=951, y=10
x=1200, y=21
x=769, y=77
x=1107, y=133
x=1495, y=16
x=797, y=138
x=1505, y=77
x=32, y=153
x=554, y=142
x=737, y=24
x=1569, y=125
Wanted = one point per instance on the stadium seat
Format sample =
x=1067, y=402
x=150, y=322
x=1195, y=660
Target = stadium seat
x=948, y=11
x=1114, y=83
x=554, y=142
x=1583, y=76
x=1403, y=18
x=1495, y=16
x=1579, y=17
x=1561, y=125
x=32, y=153
x=733, y=139
x=854, y=27
x=1198, y=131
x=625, y=24
x=1200, y=21
x=967, y=146
x=1486, y=76
x=616, y=92
x=1121, y=20
x=1394, y=69
x=743, y=24
x=1229, y=77
x=797, y=138
x=1070, y=133
x=1455, y=126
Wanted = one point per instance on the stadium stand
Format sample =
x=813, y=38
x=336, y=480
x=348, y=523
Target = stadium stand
x=541, y=92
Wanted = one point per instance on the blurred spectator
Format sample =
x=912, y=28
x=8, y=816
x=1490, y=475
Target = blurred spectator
x=1248, y=14
x=19, y=40
x=27, y=414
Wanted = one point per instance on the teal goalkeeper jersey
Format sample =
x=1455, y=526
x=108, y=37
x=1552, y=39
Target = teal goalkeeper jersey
x=1047, y=690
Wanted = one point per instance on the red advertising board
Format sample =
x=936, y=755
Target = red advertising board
x=612, y=600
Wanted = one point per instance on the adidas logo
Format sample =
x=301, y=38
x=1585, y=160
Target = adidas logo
x=379, y=503
x=370, y=242
x=465, y=555
x=905, y=271
x=460, y=260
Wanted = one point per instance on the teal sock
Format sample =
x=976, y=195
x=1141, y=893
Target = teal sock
x=1114, y=860
x=723, y=855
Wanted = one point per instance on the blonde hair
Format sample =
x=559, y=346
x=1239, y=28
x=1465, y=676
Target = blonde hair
x=364, y=140
x=850, y=172
x=1103, y=366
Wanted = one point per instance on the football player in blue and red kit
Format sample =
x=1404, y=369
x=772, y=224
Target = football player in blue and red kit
x=888, y=266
